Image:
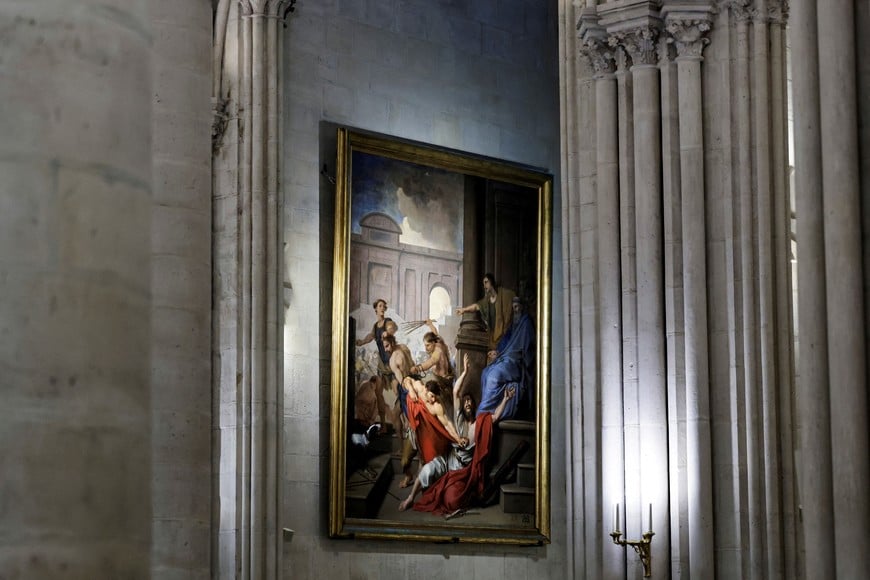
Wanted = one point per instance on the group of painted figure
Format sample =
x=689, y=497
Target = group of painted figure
x=453, y=447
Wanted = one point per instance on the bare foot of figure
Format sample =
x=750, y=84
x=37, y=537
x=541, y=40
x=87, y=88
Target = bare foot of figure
x=406, y=504
x=406, y=481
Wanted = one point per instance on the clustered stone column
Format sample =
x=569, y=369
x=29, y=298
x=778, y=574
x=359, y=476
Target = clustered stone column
x=832, y=387
x=814, y=400
x=75, y=219
x=247, y=341
x=783, y=287
x=675, y=339
x=579, y=160
x=689, y=34
x=640, y=42
x=726, y=264
x=692, y=294
x=754, y=476
x=762, y=333
x=601, y=57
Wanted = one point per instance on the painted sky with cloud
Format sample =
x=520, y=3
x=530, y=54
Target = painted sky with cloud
x=427, y=203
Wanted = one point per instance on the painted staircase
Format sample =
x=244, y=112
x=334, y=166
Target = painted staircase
x=517, y=491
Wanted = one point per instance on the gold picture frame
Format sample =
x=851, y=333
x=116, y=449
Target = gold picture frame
x=417, y=227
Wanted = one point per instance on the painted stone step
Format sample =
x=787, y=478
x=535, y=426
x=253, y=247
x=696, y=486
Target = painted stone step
x=366, y=487
x=517, y=425
x=517, y=500
x=526, y=475
x=508, y=434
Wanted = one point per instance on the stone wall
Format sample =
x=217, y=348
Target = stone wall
x=475, y=76
x=75, y=227
x=181, y=400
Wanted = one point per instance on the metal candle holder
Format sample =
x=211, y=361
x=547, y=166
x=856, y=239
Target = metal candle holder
x=642, y=546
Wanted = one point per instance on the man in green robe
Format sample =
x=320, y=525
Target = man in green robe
x=495, y=309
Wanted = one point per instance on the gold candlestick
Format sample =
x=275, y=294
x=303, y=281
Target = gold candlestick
x=642, y=547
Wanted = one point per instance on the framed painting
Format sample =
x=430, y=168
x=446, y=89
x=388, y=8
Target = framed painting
x=440, y=408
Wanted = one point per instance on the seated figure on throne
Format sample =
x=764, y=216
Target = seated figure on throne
x=511, y=365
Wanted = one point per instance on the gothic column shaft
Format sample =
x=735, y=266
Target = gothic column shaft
x=273, y=396
x=727, y=380
x=816, y=485
x=674, y=311
x=607, y=169
x=569, y=78
x=253, y=394
x=243, y=395
x=226, y=284
x=695, y=280
x=766, y=315
x=584, y=433
x=784, y=330
x=754, y=487
x=590, y=386
x=75, y=322
x=650, y=310
x=845, y=300
x=259, y=158
x=628, y=275
x=570, y=112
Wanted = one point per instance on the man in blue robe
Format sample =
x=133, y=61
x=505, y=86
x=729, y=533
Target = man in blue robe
x=511, y=365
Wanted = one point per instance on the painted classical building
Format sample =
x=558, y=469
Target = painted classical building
x=404, y=275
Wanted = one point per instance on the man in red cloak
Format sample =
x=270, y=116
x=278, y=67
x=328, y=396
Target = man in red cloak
x=453, y=482
x=434, y=430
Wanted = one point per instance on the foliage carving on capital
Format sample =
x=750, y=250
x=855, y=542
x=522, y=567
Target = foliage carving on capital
x=763, y=15
x=740, y=9
x=620, y=56
x=600, y=54
x=273, y=8
x=666, y=51
x=690, y=36
x=777, y=11
x=640, y=44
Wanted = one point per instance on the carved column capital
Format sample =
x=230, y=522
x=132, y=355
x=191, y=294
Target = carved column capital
x=777, y=11
x=593, y=44
x=620, y=56
x=640, y=43
x=740, y=9
x=770, y=11
x=666, y=51
x=600, y=54
x=689, y=36
x=272, y=8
